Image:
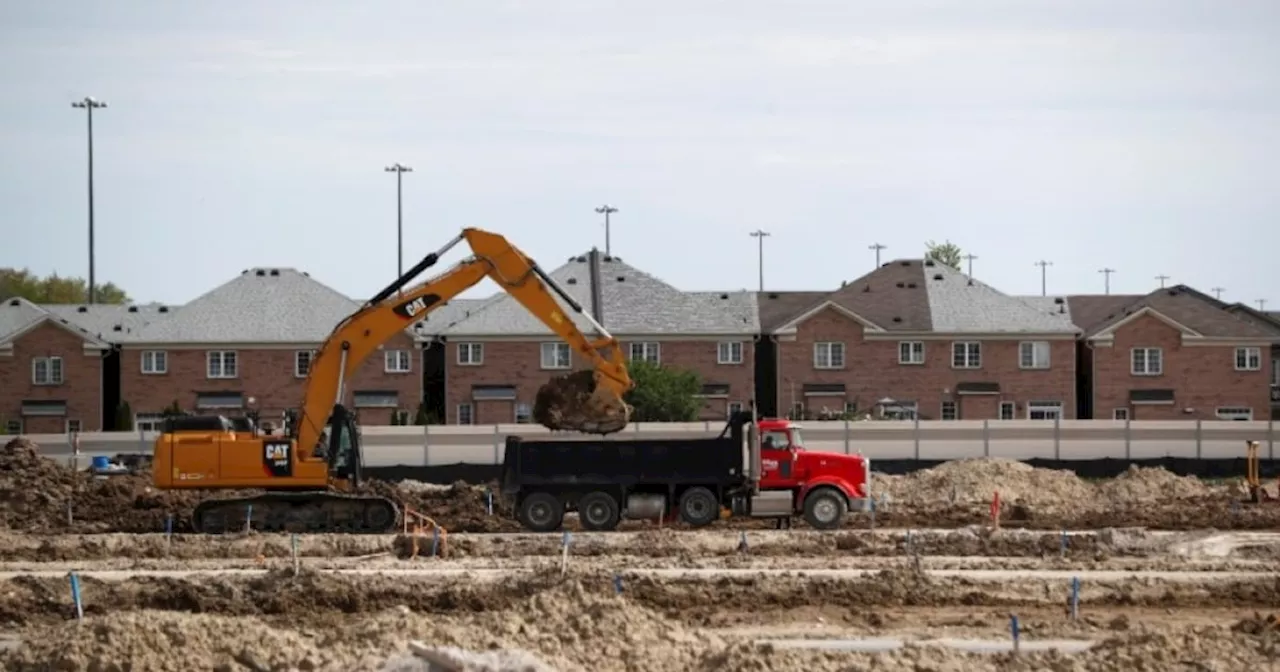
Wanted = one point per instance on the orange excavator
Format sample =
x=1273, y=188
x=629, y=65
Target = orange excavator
x=312, y=474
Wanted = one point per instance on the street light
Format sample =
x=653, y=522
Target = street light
x=399, y=170
x=89, y=104
x=606, y=210
x=761, y=234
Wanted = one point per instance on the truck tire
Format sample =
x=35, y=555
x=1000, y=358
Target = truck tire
x=541, y=512
x=824, y=509
x=699, y=507
x=598, y=512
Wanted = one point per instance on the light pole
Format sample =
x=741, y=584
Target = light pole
x=1106, y=278
x=606, y=210
x=1043, y=279
x=877, y=247
x=399, y=170
x=760, y=235
x=89, y=104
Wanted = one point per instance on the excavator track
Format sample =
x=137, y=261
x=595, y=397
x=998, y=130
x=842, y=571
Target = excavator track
x=298, y=512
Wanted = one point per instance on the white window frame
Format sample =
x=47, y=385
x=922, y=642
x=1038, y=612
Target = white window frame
x=74, y=426
x=1027, y=355
x=649, y=351
x=734, y=407
x=470, y=354
x=952, y=407
x=1249, y=359
x=1013, y=410
x=1234, y=413
x=1044, y=407
x=1275, y=371
x=911, y=352
x=298, y=367
x=966, y=355
x=52, y=365
x=154, y=362
x=522, y=413
x=1119, y=414
x=466, y=413
x=397, y=361
x=221, y=357
x=1146, y=369
x=555, y=356
x=148, y=422
x=13, y=426
x=725, y=352
x=831, y=351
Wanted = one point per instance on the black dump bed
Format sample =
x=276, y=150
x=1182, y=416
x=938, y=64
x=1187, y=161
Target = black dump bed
x=623, y=462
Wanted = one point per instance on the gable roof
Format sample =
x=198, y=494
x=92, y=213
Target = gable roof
x=19, y=316
x=1088, y=311
x=1266, y=320
x=777, y=308
x=110, y=322
x=634, y=303
x=1191, y=310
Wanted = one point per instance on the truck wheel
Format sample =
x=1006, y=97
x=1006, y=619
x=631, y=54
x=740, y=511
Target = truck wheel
x=699, y=507
x=824, y=509
x=541, y=512
x=598, y=511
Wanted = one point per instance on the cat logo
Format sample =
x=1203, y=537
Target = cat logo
x=415, y=307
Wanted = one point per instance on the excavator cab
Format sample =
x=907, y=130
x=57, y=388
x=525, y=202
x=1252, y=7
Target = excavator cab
x=342, y=447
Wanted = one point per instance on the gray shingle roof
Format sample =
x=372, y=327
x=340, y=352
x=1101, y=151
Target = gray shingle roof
x=440, y=319
x=18, y=314
x=959, y=304
x=1190, y=308
x=634, y=303
x=112, y=323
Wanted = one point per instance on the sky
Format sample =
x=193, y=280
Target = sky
x=1139, y=135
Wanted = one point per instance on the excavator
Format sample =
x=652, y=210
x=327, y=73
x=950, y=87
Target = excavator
x=312, y=474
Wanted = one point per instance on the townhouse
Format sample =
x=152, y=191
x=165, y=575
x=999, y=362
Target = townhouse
x=918, y=339
x=1172, y=354
x=497, y=354
x=1269, y=321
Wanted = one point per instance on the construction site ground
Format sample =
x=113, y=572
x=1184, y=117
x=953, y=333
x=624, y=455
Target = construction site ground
x=1173, y=574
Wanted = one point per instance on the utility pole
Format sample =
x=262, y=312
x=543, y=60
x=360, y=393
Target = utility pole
x=1044, y=282
x=760, y=235
x=1217, y=292
x=1106, y=272
x=1162, y=278
x=877, y=247
x=399, y=170
x=89, y=104
x=969, y=258
x=606, y=210
x=1262, y=305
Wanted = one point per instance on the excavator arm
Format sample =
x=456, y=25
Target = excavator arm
x=396, y=307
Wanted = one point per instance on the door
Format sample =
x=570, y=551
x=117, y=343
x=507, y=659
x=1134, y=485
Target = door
x=777, y=459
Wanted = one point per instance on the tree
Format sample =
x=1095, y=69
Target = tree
x=947, y=254
x=54, y=288
x=124, y=417
x=664, y=393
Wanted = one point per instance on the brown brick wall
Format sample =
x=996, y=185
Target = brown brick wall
x=266, y=375
x=81, y=386
x=872, y=372
x=1202, y=378
x=518, y=363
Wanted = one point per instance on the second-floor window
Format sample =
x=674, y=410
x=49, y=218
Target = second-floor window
x=555, y=356
x=1146, y=361
x=1033, y=355
x=471, y=354
x=911, y=352
x=155, y=362
x=397, y=361
x=46, y=371
x=302, y=363
x=729, y=352
x=648, y=352
x=1248, y=359
x=828, y=355
x=221, y=364
x=966, y=355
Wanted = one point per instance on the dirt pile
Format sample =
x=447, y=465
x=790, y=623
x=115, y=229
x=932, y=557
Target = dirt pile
x=570, y=402
x=1144, y=484
x=976, y=480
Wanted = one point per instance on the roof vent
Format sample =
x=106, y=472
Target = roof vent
x=133, y=309
x=905, y=264
x=970, y=282
x=911, y=285
x=866, y=288
x=773, y=295
x=275, y=272
x=82, y=309
x=1173, y=292
x=306, y=274
x=928, y=262
x=724, y=296
x=937, y=276
x=582, y=260
x=897, y=319
x=622, y=278
x=607, y=257
x=117, y=328
x=1062, y=310
x=571, y=281
x=1058, y=300
x=900, y=285
x=260, y=273
x=15, y=302
x=244, y=272
x=163, y=309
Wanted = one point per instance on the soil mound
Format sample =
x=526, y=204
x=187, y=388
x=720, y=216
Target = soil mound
x=1139, y=484
x=978, y=479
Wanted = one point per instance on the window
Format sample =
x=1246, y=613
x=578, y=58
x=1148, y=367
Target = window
x=911, y=352
x=155, y=362
x=221, y=364
x=73, y=427
x=524, y=413
x=648, y=352
x=1248, y=359
x=1147, y=361
x=1120, y=414
x=948, y=410
x=148, y=422
x=465, y=415
x=302, y=363
x=1234, y=413
x=13, y=427
x=729, y=352
x=1044, y=410
x=735, y=407
x=555, y=356
x=1007, y=409
x=397, y=361
x=1033, y=355
x=966, y=355
x=828, y=355
x=470, y=354
x=46, y=371
x=1275, y=371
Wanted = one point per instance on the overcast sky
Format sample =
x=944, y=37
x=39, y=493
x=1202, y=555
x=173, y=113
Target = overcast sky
x=1139, y=135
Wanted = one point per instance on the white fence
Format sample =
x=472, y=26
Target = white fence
x=927, y=440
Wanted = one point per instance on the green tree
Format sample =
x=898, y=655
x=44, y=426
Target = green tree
x=664, y=393
x=124, y=417
x=54, y=288
x=173, y=410
x=947, y=254
x=424, y=416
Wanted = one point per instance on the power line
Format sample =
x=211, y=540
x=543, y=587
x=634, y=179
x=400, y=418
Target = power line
x=761, y=234
x=606, y=210
x=1044, y=282
x=1106, y=272
x=1162, y=278
x=877, y=247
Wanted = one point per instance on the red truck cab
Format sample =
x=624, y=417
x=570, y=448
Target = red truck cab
x=821, y=486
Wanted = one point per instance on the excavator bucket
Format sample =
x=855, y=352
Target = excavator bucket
x=576, y=402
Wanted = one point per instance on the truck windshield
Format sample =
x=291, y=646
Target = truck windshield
x=796, y=440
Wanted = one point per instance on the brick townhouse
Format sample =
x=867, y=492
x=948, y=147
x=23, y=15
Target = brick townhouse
x=498, y=354
x=1269, y=321
x=1173, y=354
x=247, y=345
x=917, y=339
